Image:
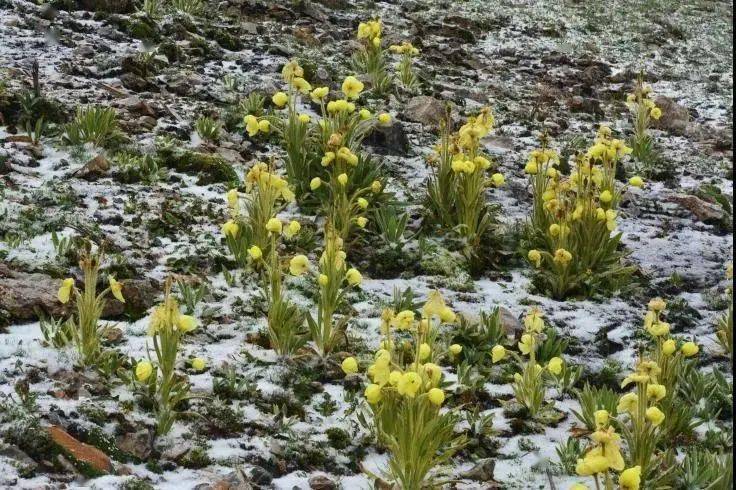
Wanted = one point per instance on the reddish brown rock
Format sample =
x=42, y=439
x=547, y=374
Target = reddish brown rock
x=81, y=451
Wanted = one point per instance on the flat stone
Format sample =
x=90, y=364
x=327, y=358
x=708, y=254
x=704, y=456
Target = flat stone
x=81, y=451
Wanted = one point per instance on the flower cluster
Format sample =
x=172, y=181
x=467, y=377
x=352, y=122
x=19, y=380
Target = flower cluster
x=643, y=112
x=167, y=326
x=530, y=384
x=573, y=220
x=405, y=393
x=456, y=190
x=89, y=305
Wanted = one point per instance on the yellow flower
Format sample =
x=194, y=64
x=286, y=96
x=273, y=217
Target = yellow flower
x=456, y=349
x=669, y=347
x=601, y=419
x=591, y=465
x=376, y=187
x=352, y=87
x=531, y=167
x=526, y=344
x=230, y=228
x=298, y=265
x=323, y=280
x=498, y=353
x=143, y=370
x=362, y=203
x=302, y=85
x=328, y=158
x=403, y=320
x=255, y=252
x=353, y=277
x=315, y=183
x=384, y=119
x=292, y=229
x=655, y=416
x=251, y=125
x=274, y=225
x=434, y=304
x=433, y=372
x=361, y=221
x=264, y=126
x=436, y=396
x=656, y=113
x=689, y=349
x=562, y=257
x=636, y=181
x=424, y=351
x=409, y=384
x=554, y=229
x=342, y=179
x=350, y=365
x=319, y=94
x=555, y=365
x=658, y=329
x=656, y=391
x=232, y=199
x=65, y=290
x=280, y=99
x=117, y=289
x=657, y=304
x=498, y=180
x=365, y=114
x=630, y=478
x=447, y=315
x=198, y=364
x=304, y=118
x=606, y=197
x=533, y=320
x=578, y=486
x=186, y=323
x=373, y=393
x=291, y=70
x=534, y=257
x=628, y=403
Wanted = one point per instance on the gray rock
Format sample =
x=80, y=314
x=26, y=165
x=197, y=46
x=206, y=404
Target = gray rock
x=424, y=109
x=674, y=116
x=321, y=482
x=138, y=443
x=482, y=471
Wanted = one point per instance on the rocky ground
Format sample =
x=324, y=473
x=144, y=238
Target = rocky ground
x=560, y=67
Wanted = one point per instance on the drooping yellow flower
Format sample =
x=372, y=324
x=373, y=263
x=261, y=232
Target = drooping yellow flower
x=436, y=396
x=608, y=447
x=232, y=199
x=302, y=85
x=361, y=221
x=319, y=94
x=409, y=384
x=424, y=351
x=298, y=265
x=373, y=393
x=315, y=183
x=342, y=179
x=601, y=418
x=498, y=353
x=304, y=118
x=578, y=486
x=352, y=87
x=274, y=225
x=655, y=416
x=526, y=344
x=669, y=347
x=534, y=257
x=255, y=252
x=365, y=114
x=403, y=320
x=353, y=277
x=198, y=364
x=498, y=179
x=630, y=478
x=636, y=181
x=656, y=391
x=554, y=365
x=689, y=349
x=65, y=290
x=606, y=197
x=291, y=70
x=591, y=465
x=657, y=304
x=456, y=349
x=384, y=119
x=292, y=229
x=230, y=228
x=280, y=99
x=186, y=323
x=628, y=403
x=251, y=125
x=116, y=289
x=376, y=187
x=656, y=113
x=350, y=365
x=143, y=370
x=562, y=257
